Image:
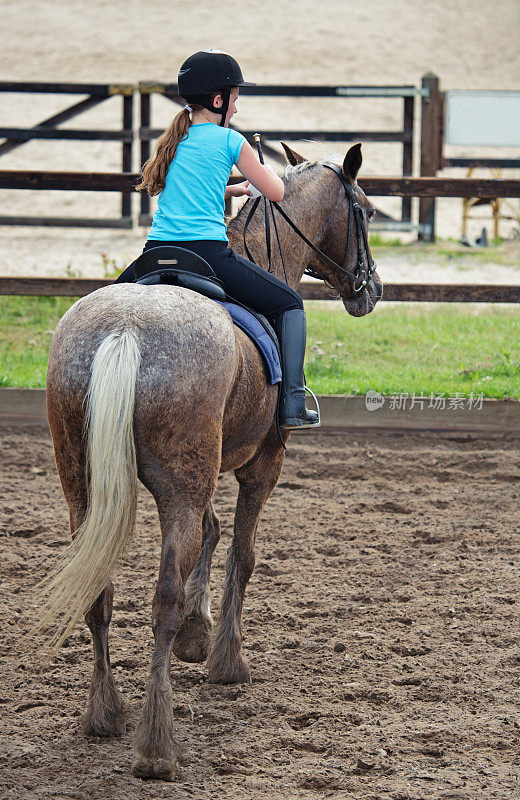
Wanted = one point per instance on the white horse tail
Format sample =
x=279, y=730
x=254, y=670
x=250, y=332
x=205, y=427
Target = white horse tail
x=107, y=530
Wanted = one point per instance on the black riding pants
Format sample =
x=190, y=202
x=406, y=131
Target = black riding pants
x=243, y=280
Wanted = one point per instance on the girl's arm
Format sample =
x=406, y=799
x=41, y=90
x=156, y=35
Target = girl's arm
x=262, y=176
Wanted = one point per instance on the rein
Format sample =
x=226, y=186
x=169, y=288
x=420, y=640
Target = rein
x=362, y=274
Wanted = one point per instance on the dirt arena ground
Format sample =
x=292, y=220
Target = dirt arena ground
x=380, y=624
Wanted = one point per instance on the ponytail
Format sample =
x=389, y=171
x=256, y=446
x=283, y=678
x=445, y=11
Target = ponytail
x=153, y=175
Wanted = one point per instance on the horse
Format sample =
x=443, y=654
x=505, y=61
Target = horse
x=156, y=384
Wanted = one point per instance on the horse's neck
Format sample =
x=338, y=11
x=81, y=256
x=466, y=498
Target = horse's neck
x=307, y=202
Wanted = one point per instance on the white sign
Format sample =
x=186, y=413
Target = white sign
x=483, y=118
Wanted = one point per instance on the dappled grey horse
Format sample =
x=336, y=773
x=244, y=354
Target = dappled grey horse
x=156, y=383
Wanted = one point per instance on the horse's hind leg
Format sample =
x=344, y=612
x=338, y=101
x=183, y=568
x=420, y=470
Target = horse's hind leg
x=194, y=636
x=181, y=540
x=105, y=711
x=181, y=499
x=104, y=715
x=256, y=480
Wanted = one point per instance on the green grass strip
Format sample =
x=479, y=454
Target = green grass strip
x=412, y=348
x=416, y=348
x=26, y=328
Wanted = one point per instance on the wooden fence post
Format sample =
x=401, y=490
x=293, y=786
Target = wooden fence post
x=144, y=155
x=408, y=125
x=431, y=147
x=128, y=125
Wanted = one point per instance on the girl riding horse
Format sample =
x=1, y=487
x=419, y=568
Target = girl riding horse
x=189, y=171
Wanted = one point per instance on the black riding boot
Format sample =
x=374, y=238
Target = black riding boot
x=290, y=328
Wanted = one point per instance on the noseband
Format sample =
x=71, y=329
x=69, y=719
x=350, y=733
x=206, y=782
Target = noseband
x=362, y=273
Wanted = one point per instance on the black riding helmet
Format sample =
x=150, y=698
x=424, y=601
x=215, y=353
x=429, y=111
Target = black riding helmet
x=206, y=72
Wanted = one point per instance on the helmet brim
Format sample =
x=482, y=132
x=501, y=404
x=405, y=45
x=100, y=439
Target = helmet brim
x=246, y=83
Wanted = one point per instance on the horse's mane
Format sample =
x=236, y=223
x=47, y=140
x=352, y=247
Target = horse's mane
x=291, y=170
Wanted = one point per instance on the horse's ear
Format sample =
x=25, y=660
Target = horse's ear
x=292, y=156
x=353, y=161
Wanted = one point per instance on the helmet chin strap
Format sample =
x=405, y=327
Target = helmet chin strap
x=206, y=101
x=225, y=94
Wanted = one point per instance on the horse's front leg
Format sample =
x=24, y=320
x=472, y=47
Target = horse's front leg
x=257, y=480
x=194, y=636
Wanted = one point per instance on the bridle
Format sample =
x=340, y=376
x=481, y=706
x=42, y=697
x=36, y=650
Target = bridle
x=365, y=266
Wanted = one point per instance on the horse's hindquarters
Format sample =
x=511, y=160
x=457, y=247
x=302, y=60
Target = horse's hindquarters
x=189, y=360
x=186, y=341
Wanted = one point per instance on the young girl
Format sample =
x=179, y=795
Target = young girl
x=189, y=171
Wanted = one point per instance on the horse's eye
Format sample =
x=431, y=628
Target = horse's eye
x=371, y=213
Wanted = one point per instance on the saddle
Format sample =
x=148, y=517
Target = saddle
x=177, y=266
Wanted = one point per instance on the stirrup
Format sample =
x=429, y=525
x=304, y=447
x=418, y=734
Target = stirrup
x=299, y=426
x=318, y=423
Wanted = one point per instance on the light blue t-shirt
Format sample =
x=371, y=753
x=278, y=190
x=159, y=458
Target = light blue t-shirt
x=191, y=205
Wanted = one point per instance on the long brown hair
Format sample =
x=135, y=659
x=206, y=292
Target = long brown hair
x=153, y=174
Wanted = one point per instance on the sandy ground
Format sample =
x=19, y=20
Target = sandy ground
x=470, y=45
x=381, y=625
x=381, y=622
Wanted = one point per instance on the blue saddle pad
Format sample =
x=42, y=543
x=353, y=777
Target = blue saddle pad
x=258, y=334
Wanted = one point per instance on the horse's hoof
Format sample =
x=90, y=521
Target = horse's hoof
x=235, y=672
x=192, y=640
x=162, y=769
x=105, y=716
x=104, y=728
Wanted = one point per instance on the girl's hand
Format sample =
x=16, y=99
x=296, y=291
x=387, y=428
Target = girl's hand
x=262, y=176
x=238, y=190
